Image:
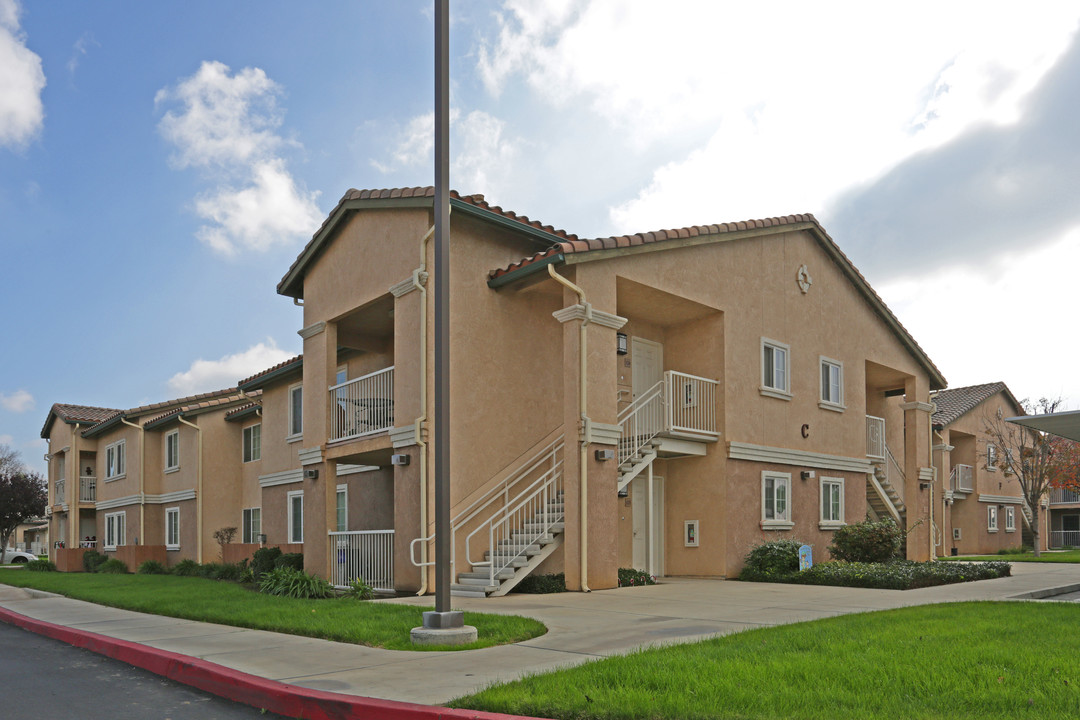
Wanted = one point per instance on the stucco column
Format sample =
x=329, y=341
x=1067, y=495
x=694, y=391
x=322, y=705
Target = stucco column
x=943, y=490
x=320, y=493
x=918, y=469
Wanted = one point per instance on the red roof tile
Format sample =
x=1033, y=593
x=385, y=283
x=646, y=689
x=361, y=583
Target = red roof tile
x=280, y=366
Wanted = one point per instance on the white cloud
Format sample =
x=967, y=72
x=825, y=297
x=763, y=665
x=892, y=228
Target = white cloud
x=7, y=440
x=79, y=50
x=1006, y=320
x=19, y=401
x=227, y=124
x=208, y=375
x=413, y=146
x=21, y=82
x=820, y=102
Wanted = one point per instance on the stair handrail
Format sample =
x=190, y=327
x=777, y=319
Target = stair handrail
x=634, y=421
x=537, y=497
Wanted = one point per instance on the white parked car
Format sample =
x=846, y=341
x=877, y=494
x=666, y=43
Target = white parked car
x=18, y=557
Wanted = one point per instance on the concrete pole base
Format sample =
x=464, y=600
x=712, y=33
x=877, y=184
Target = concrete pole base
x=443, y=628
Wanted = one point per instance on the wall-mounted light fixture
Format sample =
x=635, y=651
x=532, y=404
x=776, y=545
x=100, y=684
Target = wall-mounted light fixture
x=606, y=454
x=401, y=459
x=311, y=474
x=620, y=343
x=807, y=474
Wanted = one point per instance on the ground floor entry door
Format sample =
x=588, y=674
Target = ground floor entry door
x=644, y=540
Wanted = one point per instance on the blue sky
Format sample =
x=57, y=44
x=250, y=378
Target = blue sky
x=161, y=164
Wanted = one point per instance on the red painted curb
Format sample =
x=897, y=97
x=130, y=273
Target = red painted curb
x=280, y=698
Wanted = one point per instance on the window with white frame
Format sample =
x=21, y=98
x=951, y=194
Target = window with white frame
x=1007, y=464
x=776, y=500
x=172, y=528
x=775, y=375
x=991, y=457
x=172, y=450
x=342, y=508
x=991, y=518
x=1010, y=519
x=115, y=529
x=832, y=384
x=251, y=525
x=253, y=443
x=296, y=411
x=115, y=460
x=832, y=502
x=295, y=504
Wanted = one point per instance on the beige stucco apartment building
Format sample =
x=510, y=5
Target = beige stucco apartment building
x=664, y=400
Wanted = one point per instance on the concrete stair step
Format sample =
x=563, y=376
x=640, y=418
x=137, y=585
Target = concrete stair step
x=478, y=577
x=470, y=591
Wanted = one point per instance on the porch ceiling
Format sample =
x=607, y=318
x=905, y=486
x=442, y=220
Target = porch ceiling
x=880, y=377
x=641, y=302
x=369, y=327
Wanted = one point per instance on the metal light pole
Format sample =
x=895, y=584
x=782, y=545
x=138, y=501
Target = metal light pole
x=442, y=626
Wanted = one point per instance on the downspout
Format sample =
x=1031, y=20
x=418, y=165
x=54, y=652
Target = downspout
x=586, y=423
x=142, y=477
x=198, y=492
x=73, y=535
x=933, y=479
x=419, y=279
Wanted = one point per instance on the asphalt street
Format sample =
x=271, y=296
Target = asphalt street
x=45, y=678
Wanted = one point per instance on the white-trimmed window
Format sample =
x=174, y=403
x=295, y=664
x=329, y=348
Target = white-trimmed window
x=172, y=450
x=1010, y=519
x=775, y=369
x=253, y=443
x=115, y=529
x=776, y=501
x=295, y=504
x=251, y=525
x=172, y=528
x=991, y=457
x=991, y=519
x=296, y=412
x=832, y=384
x=1007, y=463
x=342, y=508
x=115, y=460
x=832, y=502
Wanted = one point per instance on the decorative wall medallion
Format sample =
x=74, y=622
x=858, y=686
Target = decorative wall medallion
x=803, y=278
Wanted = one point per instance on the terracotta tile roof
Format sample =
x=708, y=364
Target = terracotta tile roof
x=207, y=404
x=145, y=409
x=954, y=403
x=476, y=201
x=76, y=414
x=243, y=410
x=296, y=359
x=575, y=245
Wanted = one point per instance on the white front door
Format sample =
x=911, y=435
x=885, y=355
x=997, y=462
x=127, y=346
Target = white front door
x=648, y=364
x=639, y=487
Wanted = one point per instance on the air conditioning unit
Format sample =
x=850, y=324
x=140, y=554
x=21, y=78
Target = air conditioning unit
x=956, y=534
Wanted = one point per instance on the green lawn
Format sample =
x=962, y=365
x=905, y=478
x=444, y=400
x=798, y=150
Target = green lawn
x=1054, y=556
x=958, y=660
x=344, y=619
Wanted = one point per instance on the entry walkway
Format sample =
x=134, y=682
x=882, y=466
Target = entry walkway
x=581, y=627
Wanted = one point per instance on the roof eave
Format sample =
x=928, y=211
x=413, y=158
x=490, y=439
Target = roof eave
x=519, y=274
x=102, y=426
x=264, y=380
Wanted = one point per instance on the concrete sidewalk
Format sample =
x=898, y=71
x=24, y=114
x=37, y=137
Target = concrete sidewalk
x=580, y=627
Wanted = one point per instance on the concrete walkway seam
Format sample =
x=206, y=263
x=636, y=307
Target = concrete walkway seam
x=273, y=696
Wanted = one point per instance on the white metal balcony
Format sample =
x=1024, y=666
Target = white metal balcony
x=88, y=489
x=875, y=438
x=362, y=406
x=961, y=478
x=1060, y=496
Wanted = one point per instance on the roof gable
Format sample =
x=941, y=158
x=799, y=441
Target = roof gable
x=954, y=403
x=72, y=414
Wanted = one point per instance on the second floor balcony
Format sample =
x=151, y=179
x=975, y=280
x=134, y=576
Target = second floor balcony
x=961, y=479
x=1061, y=496
x=362, y=406
x=87, y=489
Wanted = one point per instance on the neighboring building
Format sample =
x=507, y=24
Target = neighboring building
x=31, y=536
x=664, y=401
x=982, y=505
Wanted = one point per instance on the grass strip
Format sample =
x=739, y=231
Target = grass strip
x=1067, y=556
x=956, y=660
x=343, y=619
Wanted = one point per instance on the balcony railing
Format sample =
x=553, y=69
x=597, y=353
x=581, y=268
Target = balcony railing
x=875, y=438
x=363, y=554
x=1060, y=496
x=88, y=489
x=1064, y=538
x=58, y=493
x=961, y=478
x=362, y=406
x=691, y=404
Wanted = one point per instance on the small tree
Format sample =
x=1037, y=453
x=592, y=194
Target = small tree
x=224, y=536
x=1028, y=454
x=1066, y=466
x=23, y=496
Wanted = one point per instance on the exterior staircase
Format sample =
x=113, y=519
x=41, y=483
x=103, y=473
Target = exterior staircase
x=882, y=497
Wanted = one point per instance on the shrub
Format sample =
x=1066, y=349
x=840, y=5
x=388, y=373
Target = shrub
x=631, y=577
x=898, y=574
x=227, y=571
x=293, y=583
x=262, y=561
x=186, y=568
x=361, y=590
x=290, y=560
x=92, y=559
x=113, y=566
x=152, y=567
x=869, y=541
x=542, y=584
x=771, y=561
x=40, y=566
